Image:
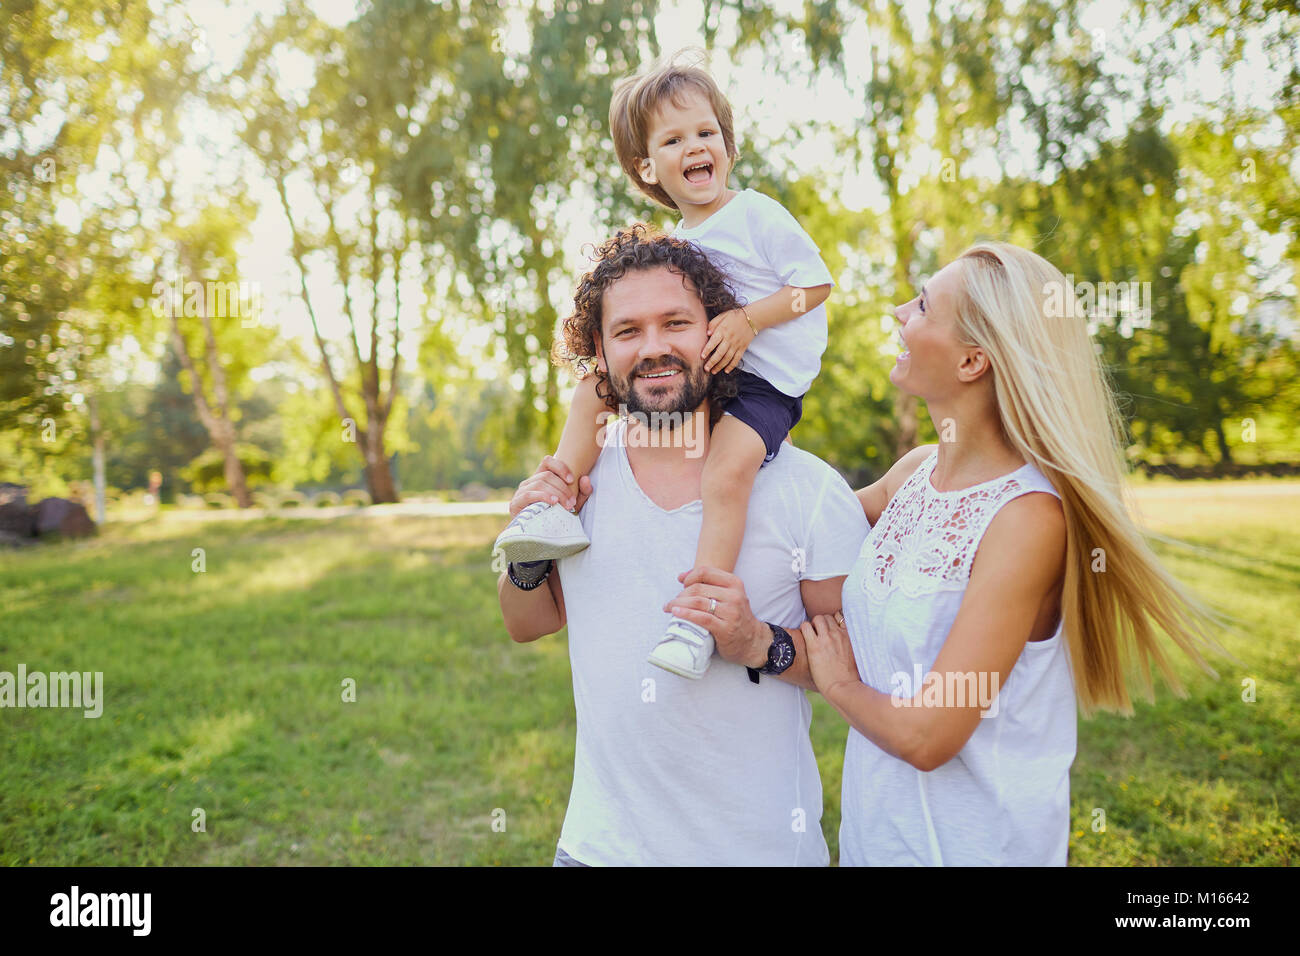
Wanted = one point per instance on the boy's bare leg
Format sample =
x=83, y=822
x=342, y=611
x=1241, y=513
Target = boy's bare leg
x=579, y=442
x=736, y=452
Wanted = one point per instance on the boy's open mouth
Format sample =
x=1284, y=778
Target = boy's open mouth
x=699, y=173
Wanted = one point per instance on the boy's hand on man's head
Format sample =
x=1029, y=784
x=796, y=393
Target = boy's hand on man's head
x=729, y=335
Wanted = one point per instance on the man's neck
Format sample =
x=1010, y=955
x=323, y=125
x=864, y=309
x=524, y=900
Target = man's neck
x=669, y=463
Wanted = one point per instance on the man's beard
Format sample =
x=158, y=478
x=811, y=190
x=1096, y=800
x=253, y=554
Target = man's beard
x=694, y=389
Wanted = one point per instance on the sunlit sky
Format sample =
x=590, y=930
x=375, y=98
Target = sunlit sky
x=767, y=107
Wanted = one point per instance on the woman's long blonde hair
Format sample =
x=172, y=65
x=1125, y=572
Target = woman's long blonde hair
x=1059, y=412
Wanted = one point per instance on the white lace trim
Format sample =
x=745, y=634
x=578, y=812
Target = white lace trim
x=925, y=541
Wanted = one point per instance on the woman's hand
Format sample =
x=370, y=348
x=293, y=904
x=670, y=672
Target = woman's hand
x=830, y=655
x=729, y=335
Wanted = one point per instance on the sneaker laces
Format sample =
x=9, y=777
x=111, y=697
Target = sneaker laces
x=536, y=508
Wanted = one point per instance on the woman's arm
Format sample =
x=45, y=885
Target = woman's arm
x=875, y=497
x=1013, y=596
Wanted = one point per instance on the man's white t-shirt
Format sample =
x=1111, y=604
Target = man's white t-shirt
x=717, y=771
x=761, y=248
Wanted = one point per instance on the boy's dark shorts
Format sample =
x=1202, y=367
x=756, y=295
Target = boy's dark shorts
x=766, y=409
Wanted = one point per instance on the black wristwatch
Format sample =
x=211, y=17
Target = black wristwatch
x=529, y=575
x=780, y=654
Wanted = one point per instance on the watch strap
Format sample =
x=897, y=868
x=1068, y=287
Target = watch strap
x=529, y=575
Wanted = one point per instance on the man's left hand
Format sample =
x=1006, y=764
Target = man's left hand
x=741, y=638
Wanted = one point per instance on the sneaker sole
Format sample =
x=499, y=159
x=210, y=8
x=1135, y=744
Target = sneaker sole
x=523, y=548
x=674, y=669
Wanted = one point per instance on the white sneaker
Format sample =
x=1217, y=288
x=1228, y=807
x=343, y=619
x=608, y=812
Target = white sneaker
x=686, y=650
x=542, y=531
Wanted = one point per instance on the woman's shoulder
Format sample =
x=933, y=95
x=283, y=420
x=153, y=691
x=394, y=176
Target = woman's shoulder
x=875, y=497
x=907, y=466
x=1028, y=530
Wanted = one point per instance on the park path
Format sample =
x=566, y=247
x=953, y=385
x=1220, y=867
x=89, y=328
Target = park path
x=452, y=509
x=1210, y=489
x=402, y=509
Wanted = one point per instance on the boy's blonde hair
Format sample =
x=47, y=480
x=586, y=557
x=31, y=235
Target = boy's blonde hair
x=1059, y=412
x=636, y=99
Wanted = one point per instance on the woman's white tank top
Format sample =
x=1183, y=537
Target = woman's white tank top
x=1005, y=798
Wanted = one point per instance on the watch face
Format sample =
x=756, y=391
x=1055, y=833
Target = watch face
x=781, y=654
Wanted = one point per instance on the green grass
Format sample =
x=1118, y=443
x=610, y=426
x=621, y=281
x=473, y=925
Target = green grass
x=223, y=691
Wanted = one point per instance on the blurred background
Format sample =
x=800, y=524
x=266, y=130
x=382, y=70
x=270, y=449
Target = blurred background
x=384, y=208
x=269, y=261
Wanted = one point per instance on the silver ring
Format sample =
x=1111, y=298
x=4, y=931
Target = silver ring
x=713, y=605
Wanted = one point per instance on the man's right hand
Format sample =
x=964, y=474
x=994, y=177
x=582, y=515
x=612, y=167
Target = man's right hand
x=550, y=483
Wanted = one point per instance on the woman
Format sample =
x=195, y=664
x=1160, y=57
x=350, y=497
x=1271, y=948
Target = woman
x=1003, y=580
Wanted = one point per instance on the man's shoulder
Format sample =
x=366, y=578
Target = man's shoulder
x=798, y=461
x=794, y=469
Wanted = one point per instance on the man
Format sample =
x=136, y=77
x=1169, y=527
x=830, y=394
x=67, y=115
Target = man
x=669, y=771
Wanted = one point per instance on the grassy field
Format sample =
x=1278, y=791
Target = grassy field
x=223, y=691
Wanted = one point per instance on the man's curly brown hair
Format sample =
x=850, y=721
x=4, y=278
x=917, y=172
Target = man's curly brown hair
x=635, y=249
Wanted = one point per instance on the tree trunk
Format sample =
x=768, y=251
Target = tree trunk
x=379, y=477
x=217, y=422
x=97, y=459
x=1225, y=454
x=234, y=471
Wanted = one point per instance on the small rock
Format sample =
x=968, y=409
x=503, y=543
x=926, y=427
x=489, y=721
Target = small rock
x=67, y=519
x=17, y=518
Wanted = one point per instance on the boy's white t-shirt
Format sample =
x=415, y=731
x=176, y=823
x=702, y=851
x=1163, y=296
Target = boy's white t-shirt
x=717, y=771
x=761, y=248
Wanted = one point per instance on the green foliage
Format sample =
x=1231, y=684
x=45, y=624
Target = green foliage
x=207, y=471
x=533, y=120
x=1187, y=209
x=469, y=151
x=73, y=81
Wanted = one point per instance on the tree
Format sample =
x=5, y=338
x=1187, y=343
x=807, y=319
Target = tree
x=205, y=252
x=337, y=141
x=1108, y=195
x=540, y=167
x=71, y=81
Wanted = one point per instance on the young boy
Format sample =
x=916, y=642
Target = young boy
x=672, y=132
